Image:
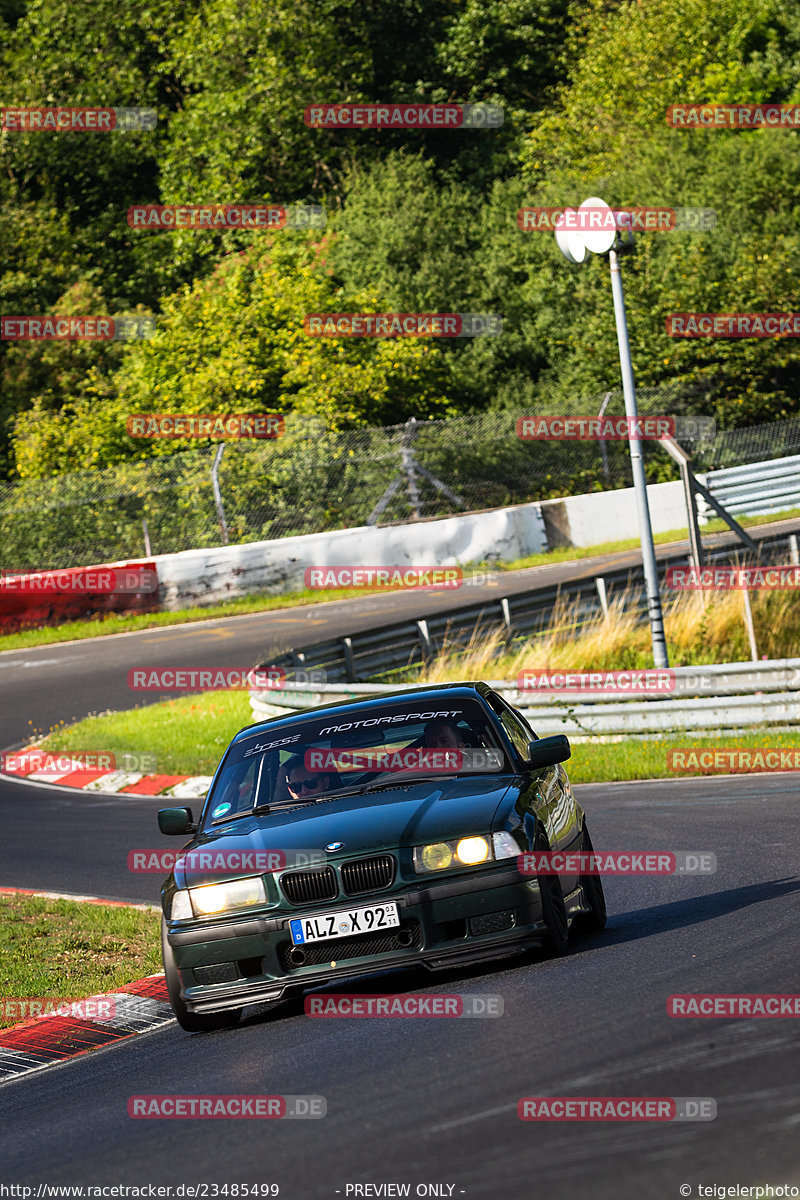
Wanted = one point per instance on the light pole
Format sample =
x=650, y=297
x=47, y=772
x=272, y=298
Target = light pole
x=600, y=236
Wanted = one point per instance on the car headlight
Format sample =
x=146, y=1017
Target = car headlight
x=181, y=908
x=505, y=845
x=473, y=850
x=435, y=857
x=460, y=852
x=219, y=897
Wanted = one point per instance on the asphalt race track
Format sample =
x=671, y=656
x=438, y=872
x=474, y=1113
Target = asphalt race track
x=42, y=686
x=432, y=1101
x=420, y=1101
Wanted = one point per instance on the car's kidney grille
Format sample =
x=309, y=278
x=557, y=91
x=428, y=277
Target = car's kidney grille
x=308, y=887
x=368, y=874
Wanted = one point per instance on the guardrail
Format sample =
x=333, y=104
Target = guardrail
x=754, y=694
x=387, y=651
x=755, y=488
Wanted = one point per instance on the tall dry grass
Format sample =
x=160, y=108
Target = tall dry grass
x=700, y=628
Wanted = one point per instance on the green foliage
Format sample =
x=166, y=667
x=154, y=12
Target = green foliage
x=418, y=220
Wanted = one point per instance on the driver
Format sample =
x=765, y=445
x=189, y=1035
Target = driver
x=300, y=781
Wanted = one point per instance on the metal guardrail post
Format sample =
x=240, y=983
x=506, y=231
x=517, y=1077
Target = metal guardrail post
x=349, y=662
x=690, y=487
x=425, y=639
x=748, y=623
x=600, y=584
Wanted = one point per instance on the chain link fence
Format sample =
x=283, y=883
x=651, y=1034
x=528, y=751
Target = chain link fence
x=313, y=479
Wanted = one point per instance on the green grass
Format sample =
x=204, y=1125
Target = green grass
x=189, y=735
x=65, y=949
x=102, y=625
x=609, y=762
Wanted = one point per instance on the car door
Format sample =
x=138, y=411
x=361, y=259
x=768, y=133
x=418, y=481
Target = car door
x=556, y=803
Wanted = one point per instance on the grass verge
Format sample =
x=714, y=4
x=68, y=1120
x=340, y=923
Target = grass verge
x=189, y=736
x=613, y=762
x=65, y=949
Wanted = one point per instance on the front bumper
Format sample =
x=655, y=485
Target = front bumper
x=443, y=922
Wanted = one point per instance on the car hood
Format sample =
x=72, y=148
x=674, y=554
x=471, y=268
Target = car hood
x=409, y=815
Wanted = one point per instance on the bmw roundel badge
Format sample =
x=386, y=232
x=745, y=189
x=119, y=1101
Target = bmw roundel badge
x=331, y=846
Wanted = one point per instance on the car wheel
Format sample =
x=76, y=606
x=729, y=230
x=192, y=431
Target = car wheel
x=554, y=910
x=595, y=918
x=191, y=1022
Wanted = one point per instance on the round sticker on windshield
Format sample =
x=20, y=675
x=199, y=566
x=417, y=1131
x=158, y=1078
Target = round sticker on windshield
x=220, y=810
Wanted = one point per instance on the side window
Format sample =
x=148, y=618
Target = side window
x=514, y=726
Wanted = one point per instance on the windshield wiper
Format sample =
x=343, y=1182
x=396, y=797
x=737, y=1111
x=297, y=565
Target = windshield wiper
x=385, y=784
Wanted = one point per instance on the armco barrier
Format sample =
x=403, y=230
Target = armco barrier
x=755, y=488
x=732, y=696
x=394, y=647
x=54, y=604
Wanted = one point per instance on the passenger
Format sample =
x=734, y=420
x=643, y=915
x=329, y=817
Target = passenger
x=443, y=735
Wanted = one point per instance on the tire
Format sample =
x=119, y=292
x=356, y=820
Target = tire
x=554, y=910
x=592, y=885
x=191, y=1022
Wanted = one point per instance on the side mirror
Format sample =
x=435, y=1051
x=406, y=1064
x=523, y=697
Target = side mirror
x=546, y=752
x=176, y=820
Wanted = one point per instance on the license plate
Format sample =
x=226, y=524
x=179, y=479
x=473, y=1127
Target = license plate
x=344, y=923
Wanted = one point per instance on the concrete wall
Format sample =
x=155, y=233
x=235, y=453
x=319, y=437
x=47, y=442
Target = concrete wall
x=598, y=517
x=208, y=576
x=197, y=577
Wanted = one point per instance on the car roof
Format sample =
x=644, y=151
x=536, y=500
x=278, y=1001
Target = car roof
x=460, y=691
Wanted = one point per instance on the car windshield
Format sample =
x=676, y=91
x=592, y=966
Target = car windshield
x=316, y=758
